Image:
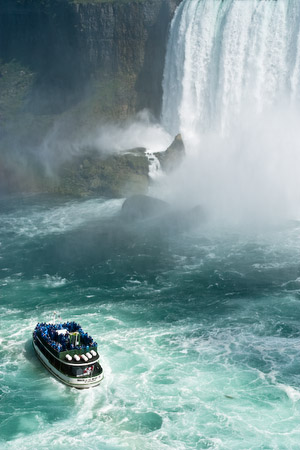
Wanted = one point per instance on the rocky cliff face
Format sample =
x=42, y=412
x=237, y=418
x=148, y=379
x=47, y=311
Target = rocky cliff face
x=110, y=51
x=129, y=39
x=65, y=65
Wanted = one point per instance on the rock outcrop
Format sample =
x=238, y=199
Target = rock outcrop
x=173, y=156
x=113, y=176
x=143, y=207
x=68, y=64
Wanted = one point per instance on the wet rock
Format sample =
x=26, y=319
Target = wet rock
x=113, y=176
x=142, y=207
x=173, y=156
x=160, y=215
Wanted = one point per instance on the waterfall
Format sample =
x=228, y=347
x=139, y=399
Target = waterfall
x=226, y=58
x=231, y=87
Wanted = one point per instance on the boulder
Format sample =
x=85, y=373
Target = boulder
x=143, y=207
x=160, y=216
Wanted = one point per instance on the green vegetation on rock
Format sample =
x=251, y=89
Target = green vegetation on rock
x=118, y=175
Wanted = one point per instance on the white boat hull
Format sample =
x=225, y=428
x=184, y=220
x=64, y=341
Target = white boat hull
x=79, y=383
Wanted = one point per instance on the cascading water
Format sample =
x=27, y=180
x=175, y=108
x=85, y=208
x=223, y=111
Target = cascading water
x=232, y=89
x=225, y=58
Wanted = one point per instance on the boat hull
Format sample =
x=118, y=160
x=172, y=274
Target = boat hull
x=78, y=383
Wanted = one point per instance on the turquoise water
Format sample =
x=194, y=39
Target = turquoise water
x=198, y=330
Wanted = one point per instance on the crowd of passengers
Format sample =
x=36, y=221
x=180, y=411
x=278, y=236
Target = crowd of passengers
x=61, y=342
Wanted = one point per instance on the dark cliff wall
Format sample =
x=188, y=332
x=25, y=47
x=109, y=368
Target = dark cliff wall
x=128, y=38
x=42, y=37
x=65, y=66
x=112, y=52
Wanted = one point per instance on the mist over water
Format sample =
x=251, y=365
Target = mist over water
x=231, y=87
x=106, y=138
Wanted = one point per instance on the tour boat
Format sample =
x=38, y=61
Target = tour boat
x=68, y=353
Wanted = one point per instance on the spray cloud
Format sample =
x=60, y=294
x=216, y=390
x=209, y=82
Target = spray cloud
x=232, y=88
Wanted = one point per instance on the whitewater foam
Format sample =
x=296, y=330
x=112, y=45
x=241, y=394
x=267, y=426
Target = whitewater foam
x=57, y=220
x=55, y=281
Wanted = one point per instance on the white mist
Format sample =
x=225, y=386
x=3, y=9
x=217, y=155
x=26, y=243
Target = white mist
x=232, y=88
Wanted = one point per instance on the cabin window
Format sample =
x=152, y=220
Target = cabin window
x=77, y=371
x=85, y=371
x=97, y=369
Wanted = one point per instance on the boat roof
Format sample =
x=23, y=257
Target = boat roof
x=65, y=338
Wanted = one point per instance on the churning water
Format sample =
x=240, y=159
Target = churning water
x=198, y=330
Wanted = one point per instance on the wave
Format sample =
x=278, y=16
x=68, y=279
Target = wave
x=41, y=221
